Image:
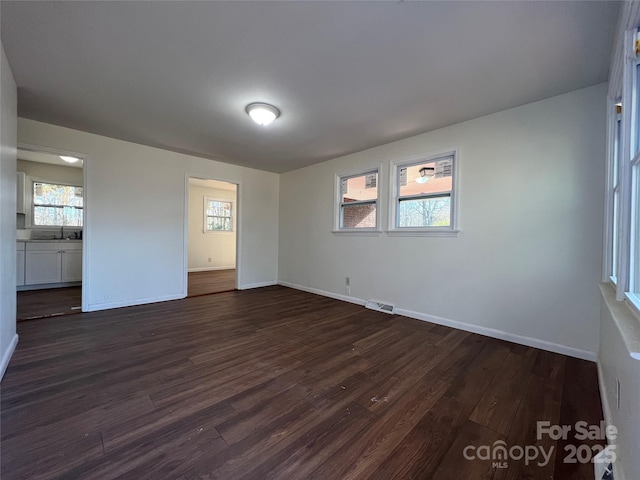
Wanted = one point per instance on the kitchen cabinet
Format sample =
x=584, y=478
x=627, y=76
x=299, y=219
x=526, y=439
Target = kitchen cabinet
x=20, y=264
x=53, y=262
x=21, y=205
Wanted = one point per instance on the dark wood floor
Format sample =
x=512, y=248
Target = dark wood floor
x=274, y=383
x=212, y=281
x=48, y=302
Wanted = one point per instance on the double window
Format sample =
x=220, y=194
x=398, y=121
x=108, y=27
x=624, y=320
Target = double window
x=622, y=256
x=423, y=197
x=57, y=205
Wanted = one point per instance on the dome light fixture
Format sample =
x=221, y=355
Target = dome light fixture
x=69, y=159
x=262, y=113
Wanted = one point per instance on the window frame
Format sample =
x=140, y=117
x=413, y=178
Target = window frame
x=621, y=254
x=205, y=216
x=32, y=212
x=453, y=229
x=339, y=204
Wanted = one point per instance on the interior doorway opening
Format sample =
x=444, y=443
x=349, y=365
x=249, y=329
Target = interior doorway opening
x=211, y=236
x=50, y=232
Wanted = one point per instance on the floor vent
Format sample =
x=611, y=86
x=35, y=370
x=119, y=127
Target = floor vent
x=380, y=306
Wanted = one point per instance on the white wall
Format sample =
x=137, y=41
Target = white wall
x=526, y=266
x=134, y=235
x=51, y=173
x=8, y=105
x=220, y=247
x=615, y=362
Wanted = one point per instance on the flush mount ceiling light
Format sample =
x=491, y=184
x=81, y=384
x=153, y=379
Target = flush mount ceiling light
x=69, y=159
x=262, y=113
x=425, y=174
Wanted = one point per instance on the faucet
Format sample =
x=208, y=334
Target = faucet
x=61, y=233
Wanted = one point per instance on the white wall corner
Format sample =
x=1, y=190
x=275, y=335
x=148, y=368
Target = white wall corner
x=6, y=357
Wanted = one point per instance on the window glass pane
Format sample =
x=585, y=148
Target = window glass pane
x=614, y=239
x=425, y=212
x=635, y=230
x=616, y=153
x=356, y=189
x=57, y=205
x=426, y=178
x=50, y=194
x=358, y=216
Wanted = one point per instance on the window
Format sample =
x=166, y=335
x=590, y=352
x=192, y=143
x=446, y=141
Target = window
x=218, y=215
x=57, y=205
x=357, y=202
x=622, y=254
x=423, y=192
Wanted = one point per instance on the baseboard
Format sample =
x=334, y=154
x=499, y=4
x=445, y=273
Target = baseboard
x=618, y=470
x=7, y=355
x=210, y=269
x=47, y=286
x=337, y=296
x=249, y=286
x=509, y=337
x=467, y=327
x=94, y=307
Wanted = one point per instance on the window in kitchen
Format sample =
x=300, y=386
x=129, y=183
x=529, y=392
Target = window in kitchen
x=57, y=205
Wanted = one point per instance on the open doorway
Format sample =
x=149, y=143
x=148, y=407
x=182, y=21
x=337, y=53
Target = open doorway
x=50, y=219
x=212, y=236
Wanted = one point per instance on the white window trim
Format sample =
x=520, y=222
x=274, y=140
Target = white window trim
x=628, y=221
x=394, y=166
x=337, y=203
x=204, y=215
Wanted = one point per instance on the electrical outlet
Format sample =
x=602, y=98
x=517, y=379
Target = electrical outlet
x=347, y=281
x=348, y=290
x=209, y=259
x=617, y=394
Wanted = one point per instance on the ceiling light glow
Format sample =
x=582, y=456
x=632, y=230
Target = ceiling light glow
x=262, y=113
x=69, y=159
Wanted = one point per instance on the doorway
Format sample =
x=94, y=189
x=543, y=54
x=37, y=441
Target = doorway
x=211, y=236
x=50, y=220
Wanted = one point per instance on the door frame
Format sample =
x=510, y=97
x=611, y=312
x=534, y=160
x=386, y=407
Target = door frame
x=86, y=228
x=237, y=223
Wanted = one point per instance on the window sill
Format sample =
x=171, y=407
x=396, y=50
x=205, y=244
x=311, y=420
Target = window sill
x=626, y=319
x=362, y=233
x=421, y=232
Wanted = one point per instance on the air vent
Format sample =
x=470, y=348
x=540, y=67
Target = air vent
x=380, y=306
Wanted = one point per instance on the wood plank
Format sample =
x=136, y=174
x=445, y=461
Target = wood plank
x=274, y=383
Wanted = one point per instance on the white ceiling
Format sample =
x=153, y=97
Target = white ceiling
x=346, y=75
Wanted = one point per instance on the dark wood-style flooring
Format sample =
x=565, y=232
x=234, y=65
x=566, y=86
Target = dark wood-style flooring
x=275, y=383
x=32, y=304
x=212, y=281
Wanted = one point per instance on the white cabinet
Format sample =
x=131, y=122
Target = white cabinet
x=72, y=265
x=21, y=205
x=20, y=264
x=53, y=262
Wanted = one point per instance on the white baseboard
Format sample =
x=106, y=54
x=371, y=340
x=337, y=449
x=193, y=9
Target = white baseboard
x=467, y=327
x=337, y=296
x=209, y=269
x=7, y=355
x=509, y=337
x=94, y=307
x=249, y=286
